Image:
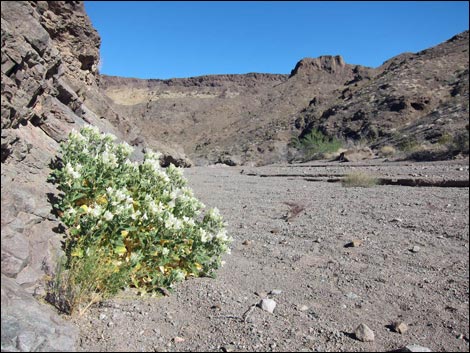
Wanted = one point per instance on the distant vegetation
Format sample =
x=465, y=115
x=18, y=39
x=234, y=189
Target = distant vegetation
x=315, y=145
x=359, y=179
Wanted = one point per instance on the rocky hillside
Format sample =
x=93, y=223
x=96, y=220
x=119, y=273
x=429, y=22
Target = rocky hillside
x=49, y=55
x=230, y=118
x=251, y=118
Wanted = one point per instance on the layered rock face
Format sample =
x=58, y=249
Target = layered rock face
x=49, y=54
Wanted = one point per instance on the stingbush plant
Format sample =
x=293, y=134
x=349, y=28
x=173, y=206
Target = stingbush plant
x=144, y=220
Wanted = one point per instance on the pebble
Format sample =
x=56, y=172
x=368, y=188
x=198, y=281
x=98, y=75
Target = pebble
x=364, y=333
x=354, y=244
x=399, y=327
x=178, y=339
x=268, y=305
x=103, y=316
x=351, y=295
x=415, y=249
x=303, y=308
x=261, y=294
x=415, y=348
x=275, y=292
x=229, y=348
x=246, y=242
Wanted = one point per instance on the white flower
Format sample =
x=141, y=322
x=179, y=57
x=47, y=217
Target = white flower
x=95, y=211
x=109, y=159
x=154, y=208
x=165, y=251
x=126, y=148
x=205, y=237
x=222, y=235
x=179, y=275
x=70, y=171
x=108, y=216
x=173, y=223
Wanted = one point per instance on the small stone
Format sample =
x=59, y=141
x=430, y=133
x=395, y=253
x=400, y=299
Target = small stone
x=415, y=348
x=229, y=348
x=303, y=308
x=275, y=292
x=415, y=249
x=275, y=231
x=396, y=220
x=399, y=327
x=351, y=295
x=354, y=244
x=178, y=339
x=246, y=242
x=318, y=240
x=364, y=333
x=103, y=316
x=262, y=294
x=268, y=305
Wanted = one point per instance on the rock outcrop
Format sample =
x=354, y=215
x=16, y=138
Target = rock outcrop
x=49, y=55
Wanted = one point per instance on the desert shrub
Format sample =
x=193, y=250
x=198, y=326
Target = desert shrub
x=316, y=145
x=408, y=144
x=460, y=142
x=445, y=139
x=387, y=151
x=359, y=179
x=129, y=220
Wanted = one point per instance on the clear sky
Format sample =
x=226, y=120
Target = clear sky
x=167, y=39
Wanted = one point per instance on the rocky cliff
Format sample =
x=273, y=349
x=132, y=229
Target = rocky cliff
x=49, y=55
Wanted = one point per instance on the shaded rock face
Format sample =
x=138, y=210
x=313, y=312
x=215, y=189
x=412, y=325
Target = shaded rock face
x=49, y=56
x=254, y=116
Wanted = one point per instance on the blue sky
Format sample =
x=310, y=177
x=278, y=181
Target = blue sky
x=167, y=39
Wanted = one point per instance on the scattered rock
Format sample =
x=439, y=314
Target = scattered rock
x=354, y=244
x=268, y=305
x=364, y=333
x=351, y=295
x=246, y=242
x=261, y=294
x=355, y=155
x=275, y=292
x=178, y=339
x=229, y=348
x=415, y=249
x=303, y=308
x=413, y=348
x=399, y=327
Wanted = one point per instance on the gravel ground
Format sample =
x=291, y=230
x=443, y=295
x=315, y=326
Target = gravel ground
x=408, y=263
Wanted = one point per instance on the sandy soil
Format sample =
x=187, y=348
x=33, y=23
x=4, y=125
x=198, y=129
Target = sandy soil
x=411, y=265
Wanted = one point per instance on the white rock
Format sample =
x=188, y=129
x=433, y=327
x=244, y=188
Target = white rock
x=416, y=348
x=364, y=333
x=268, y=305
x=275, y=292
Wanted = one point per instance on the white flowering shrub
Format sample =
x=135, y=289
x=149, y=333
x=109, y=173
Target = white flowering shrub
x=144, y=220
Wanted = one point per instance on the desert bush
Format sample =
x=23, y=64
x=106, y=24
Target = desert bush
x=387, y=151
x=460, y=142
x=129, y=220
x=359, y=179
x=316, y=145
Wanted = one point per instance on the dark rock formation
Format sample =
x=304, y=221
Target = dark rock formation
x=49, y=55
